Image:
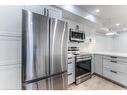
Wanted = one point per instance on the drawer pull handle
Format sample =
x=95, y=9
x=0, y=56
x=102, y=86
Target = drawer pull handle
x=113, y=57
x=70, y=58
x=70, y=63
x=113, y=71
x=113, y=61
x=69, y=74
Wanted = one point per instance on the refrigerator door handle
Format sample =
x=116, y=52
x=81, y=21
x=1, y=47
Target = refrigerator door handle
x=62, y=46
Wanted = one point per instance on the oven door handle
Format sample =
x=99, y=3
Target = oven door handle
x=78, y=60
x=84, y=57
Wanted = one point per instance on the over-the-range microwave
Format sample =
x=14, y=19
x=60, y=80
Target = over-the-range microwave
x=76, y=36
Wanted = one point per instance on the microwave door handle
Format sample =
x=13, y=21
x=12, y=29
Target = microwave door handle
x=70, y=36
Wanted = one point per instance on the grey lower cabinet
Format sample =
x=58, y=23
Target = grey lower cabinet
x=71, y=69
x=111, y=67
x=115, y=68
x=97, y=65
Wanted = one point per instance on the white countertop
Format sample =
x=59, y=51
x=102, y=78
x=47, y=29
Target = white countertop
x=118, y=54
x=111, y=54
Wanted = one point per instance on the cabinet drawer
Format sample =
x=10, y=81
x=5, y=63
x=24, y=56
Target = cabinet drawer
x=116, y=58
x=115, y=65
x=71, y=73
x=71, y=67
x=115, y=76
x=70, y=60
x=71, y=78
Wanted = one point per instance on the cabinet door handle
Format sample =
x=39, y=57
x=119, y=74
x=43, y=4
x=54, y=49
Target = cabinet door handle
x=113, y=61
x=69, y=74
x=70, y=63
x=113, y=57
x=113, y=71
x=69, y=57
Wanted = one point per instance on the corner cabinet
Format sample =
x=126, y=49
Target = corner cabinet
x=45, y=10
x=113, y=68
x=98, y=64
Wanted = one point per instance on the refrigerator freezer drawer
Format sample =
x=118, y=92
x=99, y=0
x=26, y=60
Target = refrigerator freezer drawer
x=59, y=82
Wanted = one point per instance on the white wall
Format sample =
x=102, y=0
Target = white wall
x=10, y=47
x=120, y=43
x=103, y=44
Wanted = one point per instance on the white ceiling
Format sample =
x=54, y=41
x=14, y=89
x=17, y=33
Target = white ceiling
x=109, y=14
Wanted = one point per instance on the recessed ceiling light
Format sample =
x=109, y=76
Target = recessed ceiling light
x=117, y=24
x=97, y=10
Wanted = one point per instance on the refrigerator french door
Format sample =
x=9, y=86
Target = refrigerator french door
x=44, y=52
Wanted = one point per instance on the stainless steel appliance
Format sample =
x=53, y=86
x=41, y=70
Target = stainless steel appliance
x=44, y=52
x=76, y=36
x=83, y=67
x=82, y=64
x=73, y=50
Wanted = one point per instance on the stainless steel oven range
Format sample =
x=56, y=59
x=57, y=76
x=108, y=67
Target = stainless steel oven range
x=83, y=67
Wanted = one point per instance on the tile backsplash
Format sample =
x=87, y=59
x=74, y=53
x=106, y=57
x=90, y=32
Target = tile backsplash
x=102, y=44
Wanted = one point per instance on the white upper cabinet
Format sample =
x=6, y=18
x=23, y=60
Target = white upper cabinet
x=45, y=10
x=34, y=8
x=54, y=12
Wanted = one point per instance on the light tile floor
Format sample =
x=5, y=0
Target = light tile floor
x=96, y=83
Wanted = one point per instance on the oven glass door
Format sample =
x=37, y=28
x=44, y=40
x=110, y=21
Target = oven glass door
x=83, y=67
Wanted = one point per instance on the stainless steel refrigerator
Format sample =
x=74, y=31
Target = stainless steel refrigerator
x=44, y=52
